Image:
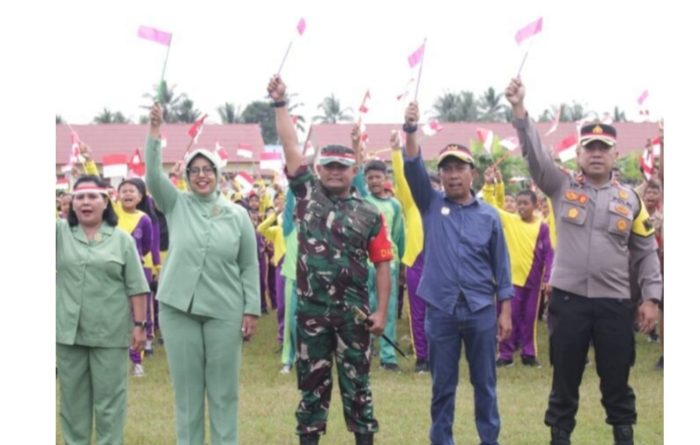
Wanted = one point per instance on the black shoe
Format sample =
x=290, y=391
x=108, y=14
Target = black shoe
x=421, y=367
x=503, y=363
x=560, y=437
x=531, y=361
x=653, y=336
x=393, y=367
x=660, y=364
x=623, y=434
x=364, y=438
x=308, y=439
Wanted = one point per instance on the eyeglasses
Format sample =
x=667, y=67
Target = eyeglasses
x=207, y=171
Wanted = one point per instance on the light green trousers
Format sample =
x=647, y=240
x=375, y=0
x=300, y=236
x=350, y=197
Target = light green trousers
x=93, y=380
x=204, y=356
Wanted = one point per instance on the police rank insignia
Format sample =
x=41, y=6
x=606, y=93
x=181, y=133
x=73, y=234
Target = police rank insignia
x=572, y=213
x=624, y=194
x=621, y=225
x=571, y=195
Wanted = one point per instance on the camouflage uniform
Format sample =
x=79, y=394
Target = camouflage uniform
x=332, y=276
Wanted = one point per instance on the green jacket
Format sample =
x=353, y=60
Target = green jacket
x=212, y=264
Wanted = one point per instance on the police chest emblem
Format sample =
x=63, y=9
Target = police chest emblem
x=445, y=211
x=572, y=213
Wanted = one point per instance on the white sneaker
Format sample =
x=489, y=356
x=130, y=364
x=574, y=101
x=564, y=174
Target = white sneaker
x=138, y=370
x=286, y=369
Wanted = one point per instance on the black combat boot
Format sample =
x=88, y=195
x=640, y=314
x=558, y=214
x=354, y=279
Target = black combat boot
x=623, y=434
x=364, y=438
x=560, y=437
x=309, y=439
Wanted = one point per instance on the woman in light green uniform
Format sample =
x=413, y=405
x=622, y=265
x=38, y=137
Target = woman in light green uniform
x=209, y=291
x=98, y=274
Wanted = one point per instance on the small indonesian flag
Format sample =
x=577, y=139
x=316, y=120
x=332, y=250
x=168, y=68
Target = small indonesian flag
x=509, y=144
x=115, y=166
x=566, y=148
x=245, y=151
x=656, y=146
x=431, y=127
x=555, y=123
x=528, y=31
x=136, y=165
x=62, y=184
x=486, y=138
x=223, y=154
x=364, y=136
x=196, y=128
x=155, y=35
x=301, y=26
x=417, y=55
x=75, y=155
x=271, y=161
x=646, y=161
x=363, y=106
x=245, y=182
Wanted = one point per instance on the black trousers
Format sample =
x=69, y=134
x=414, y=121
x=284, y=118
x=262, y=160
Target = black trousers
x=575, y=322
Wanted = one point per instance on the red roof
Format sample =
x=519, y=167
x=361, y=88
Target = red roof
x=105, y=139
x=631, y=136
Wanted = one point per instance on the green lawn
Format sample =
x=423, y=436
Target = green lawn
x=402, y=401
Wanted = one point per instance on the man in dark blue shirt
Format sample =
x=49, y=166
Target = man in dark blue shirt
x=466, y=265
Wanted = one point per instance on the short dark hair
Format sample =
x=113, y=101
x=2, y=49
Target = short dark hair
x=109, y=215
x=530, y=194
x=652, y=184
x=375, y=164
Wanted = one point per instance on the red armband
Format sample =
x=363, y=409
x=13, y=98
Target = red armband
x=379, y=247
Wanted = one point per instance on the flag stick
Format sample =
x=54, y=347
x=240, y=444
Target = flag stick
x=420, y=70
x=285, y=56
x=161, y=86
x=525, y=57
x=501, y=159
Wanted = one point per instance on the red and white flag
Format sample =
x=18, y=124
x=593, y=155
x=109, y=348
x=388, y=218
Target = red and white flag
x=271, y=161
x=656, y=146
x=509, y=144
x=155, y=35
x=363, y=106
x=75, y=155
x=223, y=154
x=566, y=148
x=642, y=97
x=301, y=26
x=244, y=151
x=245, y=182
x=555, y=123
x=431, y=127
x=196, y=128
x=115, y=166
x=62, y=183
x=528, y=31
x=485, y=137
x=136, y=165
x=416, y=56
x=646, y=161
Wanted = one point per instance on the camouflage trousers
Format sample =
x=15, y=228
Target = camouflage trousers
x=324, y=333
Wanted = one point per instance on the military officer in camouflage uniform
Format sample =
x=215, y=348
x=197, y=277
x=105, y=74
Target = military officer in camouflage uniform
x=602, y=229
x=338, y=233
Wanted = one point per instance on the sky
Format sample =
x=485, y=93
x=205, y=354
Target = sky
x=74, y=58
x=597, y=53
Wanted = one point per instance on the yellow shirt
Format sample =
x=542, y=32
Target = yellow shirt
x=412, y=218
x=273, y=232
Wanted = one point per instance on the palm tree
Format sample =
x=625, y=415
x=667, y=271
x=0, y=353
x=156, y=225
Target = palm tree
x=185, y=111
x=300, y=121
x=170, y=102
x=619, y=115
x=490, y=107
x=332, y=113
x=260, y=112
x=572, y=113
x=456, y=107
x=59, y=119
x=108, y=117
x=229, y=114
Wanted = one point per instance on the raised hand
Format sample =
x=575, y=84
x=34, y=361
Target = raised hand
x=155, y=119
x=276, y=89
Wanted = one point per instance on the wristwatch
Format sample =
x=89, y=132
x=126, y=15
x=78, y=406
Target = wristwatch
x=140, y=324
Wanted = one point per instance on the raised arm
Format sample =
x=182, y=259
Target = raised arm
x=414, y=168
x=543, y=170
x=285, y=128
x=163, y=191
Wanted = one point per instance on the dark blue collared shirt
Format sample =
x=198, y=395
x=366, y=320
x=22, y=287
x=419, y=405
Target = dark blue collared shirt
x=465, y=249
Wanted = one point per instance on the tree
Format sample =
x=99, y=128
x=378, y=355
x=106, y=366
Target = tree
x=169, y=104
x=572, y=113
x=332, y=112
x=456, y=107
x=108, y=117
x=185, y=111
x=299, y=120
x=619, y=115
x=490, y=107
x=229, y=114
x=260, y=112
x=59, y=119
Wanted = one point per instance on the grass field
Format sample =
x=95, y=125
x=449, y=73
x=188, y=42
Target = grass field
x=402, y=401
